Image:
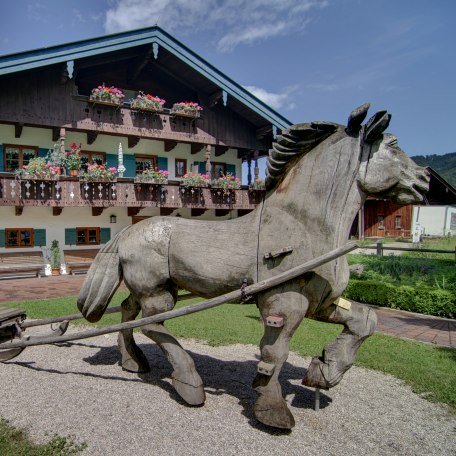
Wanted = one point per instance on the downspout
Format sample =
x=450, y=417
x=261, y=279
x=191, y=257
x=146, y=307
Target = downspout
x=445, y=221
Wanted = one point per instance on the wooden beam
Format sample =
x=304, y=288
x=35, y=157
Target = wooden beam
x=170, y=145
x=196, y=147
x=242, y=212
x=55, y=134
x=167, y=210
x=96, y=211
x=56, y=210
x=214, y=98
x=18, y=210
x=263, y=131
x=220, y=150
x=91, y=136
x=18, y=129
x=133, y=141
x=132, y=211
x=140, y=66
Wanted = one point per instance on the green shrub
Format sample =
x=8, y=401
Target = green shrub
x=421, y=299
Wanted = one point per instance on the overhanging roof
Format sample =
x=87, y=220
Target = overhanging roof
x=27, y=60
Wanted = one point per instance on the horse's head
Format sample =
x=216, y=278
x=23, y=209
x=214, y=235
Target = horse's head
x=385, y=170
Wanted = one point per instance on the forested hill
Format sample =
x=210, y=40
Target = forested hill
x=445, y=165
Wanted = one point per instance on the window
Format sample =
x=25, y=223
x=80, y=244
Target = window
x=218, y=169
x=397, y=222
x=381, y=222
x=19, y=237
x=181, y=167
x=17, y=156
x=92, y=158
x=144, y=162
x=88, y=236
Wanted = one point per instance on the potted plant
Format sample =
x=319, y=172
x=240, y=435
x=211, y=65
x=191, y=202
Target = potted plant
x=56, y=157
x=107, y=95
x=258, y=184
x=55, y=258
x=192, y=179
x=147, y=102
x=100, y=173
x=152, y=176
x=37, y=168
x=227, y=183
x=186, y=109
x=72, y=159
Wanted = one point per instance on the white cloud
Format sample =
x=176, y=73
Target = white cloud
x=274, y=100
x=232, y=22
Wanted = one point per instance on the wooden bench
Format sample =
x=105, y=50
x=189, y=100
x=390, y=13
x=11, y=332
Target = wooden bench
x=20, y=263
x=79, y=260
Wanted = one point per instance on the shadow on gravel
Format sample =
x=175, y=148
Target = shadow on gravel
x=219, y=377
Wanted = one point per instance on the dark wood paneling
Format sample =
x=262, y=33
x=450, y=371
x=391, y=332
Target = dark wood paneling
x=373, y=209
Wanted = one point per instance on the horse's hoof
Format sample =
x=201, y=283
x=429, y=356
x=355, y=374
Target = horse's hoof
x=318, y=375
x=274, y=413
x=193, y=395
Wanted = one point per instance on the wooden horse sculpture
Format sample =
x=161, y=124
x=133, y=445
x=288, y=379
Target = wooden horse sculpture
x=319, y=175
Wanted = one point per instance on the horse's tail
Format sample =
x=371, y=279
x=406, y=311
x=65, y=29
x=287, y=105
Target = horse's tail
x=103, y=279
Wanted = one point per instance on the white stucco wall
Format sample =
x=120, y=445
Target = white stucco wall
x=436, y=220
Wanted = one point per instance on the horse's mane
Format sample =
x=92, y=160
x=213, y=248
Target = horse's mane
x=296, y=140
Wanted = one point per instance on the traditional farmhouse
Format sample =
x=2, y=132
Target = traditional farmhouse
x=436, y=216
x=106, y=96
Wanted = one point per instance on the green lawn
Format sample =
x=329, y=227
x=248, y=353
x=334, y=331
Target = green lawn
x=427, y=369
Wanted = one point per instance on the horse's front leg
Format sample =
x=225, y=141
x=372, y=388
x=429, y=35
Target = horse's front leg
x=132, y=358
x=359, y=323
x=289, y=304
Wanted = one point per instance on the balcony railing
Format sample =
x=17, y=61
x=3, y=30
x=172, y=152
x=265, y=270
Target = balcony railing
x=67, y=192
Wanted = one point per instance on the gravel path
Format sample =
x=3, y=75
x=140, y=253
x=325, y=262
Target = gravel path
x=78, y=389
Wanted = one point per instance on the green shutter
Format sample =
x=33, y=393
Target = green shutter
x=42, y=152
x=162, y=163
x=105, y=235
x=231, y=169
x=70, y=236
x=130, y=165
x=40, y=237
x=202, y=167
x=2, y=238
x=2, y=159
x=112, y=160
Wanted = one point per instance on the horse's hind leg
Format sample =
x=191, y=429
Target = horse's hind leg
x=359, y=323
x=132, y=358
x=270, y=407
x=186, y=379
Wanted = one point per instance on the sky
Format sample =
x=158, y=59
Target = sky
x=308, y=59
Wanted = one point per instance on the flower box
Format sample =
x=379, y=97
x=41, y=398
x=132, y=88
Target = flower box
x=108, y=96
x=150, y=176
x=187, y=109
x=148, y=103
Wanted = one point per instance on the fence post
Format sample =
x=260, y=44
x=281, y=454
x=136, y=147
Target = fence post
x=379, y=249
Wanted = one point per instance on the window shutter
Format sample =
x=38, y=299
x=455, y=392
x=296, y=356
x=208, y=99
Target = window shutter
x=231, y=169
x=162, y=163
x=42, y=152
x=40, y=237
x=105, y=235
x=70, y=236
x=130, y=165
x=112, y=160
x=202, y=167
x=1, y=159
x=2, y=238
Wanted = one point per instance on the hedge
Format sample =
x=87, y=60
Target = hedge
x=424, y=300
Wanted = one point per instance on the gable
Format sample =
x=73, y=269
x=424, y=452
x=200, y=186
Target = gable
x=155, y=43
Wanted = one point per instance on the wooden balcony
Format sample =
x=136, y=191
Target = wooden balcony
x=71, y=192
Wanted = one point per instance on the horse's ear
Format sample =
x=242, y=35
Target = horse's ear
x=356, y=117
x=376, y=125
